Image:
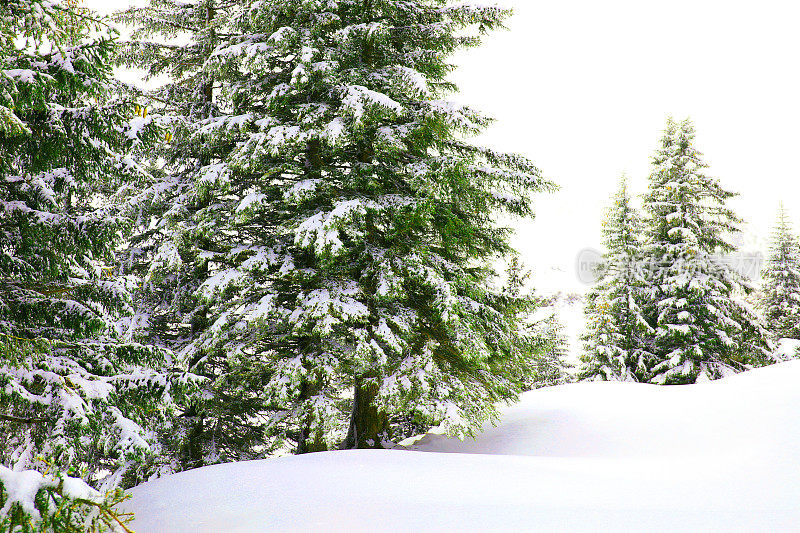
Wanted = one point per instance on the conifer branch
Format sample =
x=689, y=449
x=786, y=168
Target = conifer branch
x=23, y=420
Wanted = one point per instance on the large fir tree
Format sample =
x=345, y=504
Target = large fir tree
x=617, y=338
x=781, y=282
x=345, y=235
x=73, y=396
x=703, y=329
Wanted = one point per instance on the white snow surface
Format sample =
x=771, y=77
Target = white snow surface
x=718, y=456
x=787, y=349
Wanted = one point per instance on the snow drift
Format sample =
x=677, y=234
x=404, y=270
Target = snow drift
x=720, y=456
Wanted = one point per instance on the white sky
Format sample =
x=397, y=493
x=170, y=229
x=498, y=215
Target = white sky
x=584, y=87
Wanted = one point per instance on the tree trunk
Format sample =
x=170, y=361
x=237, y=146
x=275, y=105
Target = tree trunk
x=192, y=448
x=208, y=88
x=306, y=442
x=368, y=425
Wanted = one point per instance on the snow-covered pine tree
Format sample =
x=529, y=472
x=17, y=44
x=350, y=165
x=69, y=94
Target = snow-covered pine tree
x=616, y=341
x=781, y=282
x=551, y=366
x=73, y=397
x=348, y=235
x=542, y=328
x=178, y=246
x=703, y=328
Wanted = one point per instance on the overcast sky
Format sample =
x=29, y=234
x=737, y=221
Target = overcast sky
x=584, y=87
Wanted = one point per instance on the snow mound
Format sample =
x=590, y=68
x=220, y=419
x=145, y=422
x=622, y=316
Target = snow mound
x=787, y=349
x=745, y=414
x=720, y=456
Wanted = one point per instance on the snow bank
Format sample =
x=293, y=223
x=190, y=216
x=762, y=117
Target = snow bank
x=787, y=349
x=720, y=456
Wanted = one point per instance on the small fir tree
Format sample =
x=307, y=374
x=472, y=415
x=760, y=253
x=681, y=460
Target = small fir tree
x=542, y=329
x=703, y=328
x=551, y=366
x=617, y=347
x=781, y=282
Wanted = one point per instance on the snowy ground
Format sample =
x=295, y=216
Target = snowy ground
x=721, y=456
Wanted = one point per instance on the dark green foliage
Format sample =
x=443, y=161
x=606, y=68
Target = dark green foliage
x=177, y=245
x=75, y=394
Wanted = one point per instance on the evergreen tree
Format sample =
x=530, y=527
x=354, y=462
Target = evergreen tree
x=617, y=347
x=551, y=366
x=177, y=249
x=346, y=232
x=703, y=329
x=541, y=328
x=73, y=396
x=781, y=292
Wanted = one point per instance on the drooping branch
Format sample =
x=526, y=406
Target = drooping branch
x=23, y=420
